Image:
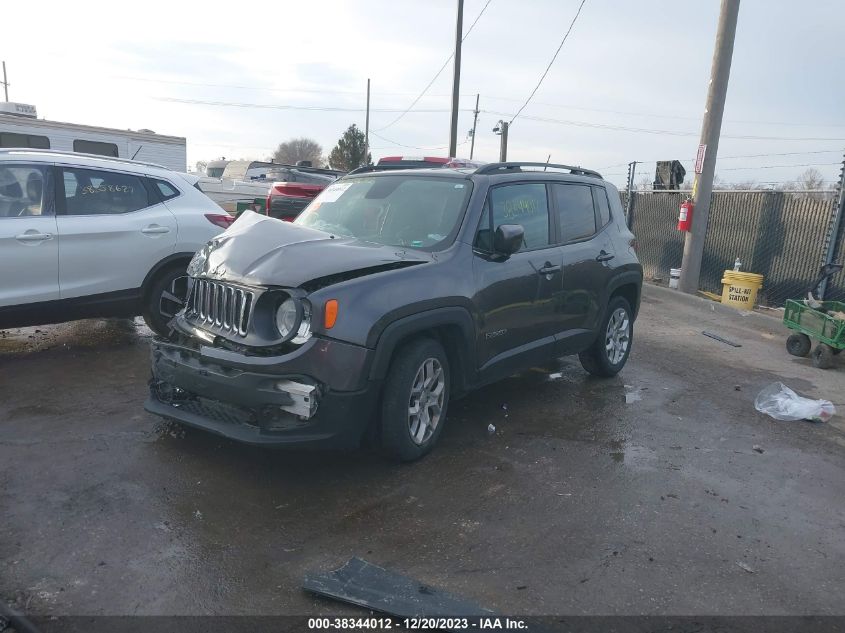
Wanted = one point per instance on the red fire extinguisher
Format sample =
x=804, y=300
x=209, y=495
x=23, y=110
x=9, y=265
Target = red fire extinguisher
x=685, y=216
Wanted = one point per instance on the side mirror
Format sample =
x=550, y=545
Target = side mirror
x=508, y=238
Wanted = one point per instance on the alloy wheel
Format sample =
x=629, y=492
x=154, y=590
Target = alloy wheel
x=425, y=404
x=618, y=336
x=172, y=300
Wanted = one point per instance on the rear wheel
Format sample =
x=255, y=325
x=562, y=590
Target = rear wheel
x=609, y=352
x=798, y=344
x=822, y=356
x=166, y=297
x=414, y=401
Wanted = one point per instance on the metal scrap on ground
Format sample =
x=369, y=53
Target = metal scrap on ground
x=366, y=585
x=720, y=339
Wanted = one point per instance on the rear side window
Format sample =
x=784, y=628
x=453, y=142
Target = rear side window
x=600, y=194
x=10, y=139
x=23, y=191
x=523, y=204
x=576, y=217
x=94, y=147
x=96, y=192
x=167, y=191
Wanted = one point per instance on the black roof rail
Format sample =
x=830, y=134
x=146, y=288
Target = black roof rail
x=492, y=168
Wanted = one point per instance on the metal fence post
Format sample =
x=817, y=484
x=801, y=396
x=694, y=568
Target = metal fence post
x=629, y=201
x=836, y=232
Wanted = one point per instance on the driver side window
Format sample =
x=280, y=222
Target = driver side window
x=525, y=204
x=23, y=191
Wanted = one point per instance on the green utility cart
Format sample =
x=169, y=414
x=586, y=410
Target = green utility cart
x=825, y=324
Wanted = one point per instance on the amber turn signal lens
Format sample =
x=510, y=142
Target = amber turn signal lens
x=330, y=314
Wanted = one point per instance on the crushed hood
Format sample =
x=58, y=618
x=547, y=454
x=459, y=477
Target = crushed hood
x=257, y=250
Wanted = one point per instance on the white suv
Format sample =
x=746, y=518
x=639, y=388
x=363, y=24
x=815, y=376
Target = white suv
x=87, y=236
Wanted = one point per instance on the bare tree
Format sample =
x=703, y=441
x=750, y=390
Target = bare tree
x=743, y=185
x=645, y=184
x=296, y=149
x=201, y=166
x=811, y=180
x=813, y=185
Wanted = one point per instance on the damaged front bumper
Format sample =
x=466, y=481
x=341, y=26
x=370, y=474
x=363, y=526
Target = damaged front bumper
x=317, y=396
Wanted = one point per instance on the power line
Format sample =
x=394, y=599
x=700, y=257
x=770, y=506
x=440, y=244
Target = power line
x=356, y=93
x=464, y=142
x=823, y=151
x=235, y=86
x=659, y=116
x=442, y=68
x=467, y=96
x=274, y=106
x=554, y=57
x=625, y=128
x=777, y=166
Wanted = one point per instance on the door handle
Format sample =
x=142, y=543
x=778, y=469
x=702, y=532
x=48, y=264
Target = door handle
x=604, y=256
x=33, y=237
x=548, y=269
x=155, y=229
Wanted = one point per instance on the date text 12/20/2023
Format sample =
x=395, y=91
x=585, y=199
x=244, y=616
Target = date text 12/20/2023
x=422, y=623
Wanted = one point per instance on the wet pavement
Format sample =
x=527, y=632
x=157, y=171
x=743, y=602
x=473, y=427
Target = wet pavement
x=641, y=494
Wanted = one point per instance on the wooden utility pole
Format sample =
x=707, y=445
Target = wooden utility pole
x=711, y=128
x=474, y=124
x=367, y=128
x=503, y=147
x=456, y=81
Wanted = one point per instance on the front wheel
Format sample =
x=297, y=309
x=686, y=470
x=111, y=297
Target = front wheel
x=798, y=344
x=166, y=298
x=414, y=401
x=609, y=352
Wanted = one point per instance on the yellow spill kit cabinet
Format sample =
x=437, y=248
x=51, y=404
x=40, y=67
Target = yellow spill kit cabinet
x=739, y=289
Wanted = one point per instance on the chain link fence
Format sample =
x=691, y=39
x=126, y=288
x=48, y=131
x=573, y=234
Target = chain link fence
x=836, y=285
x=778, y=234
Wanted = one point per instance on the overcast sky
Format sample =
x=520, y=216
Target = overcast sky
x=629, y=84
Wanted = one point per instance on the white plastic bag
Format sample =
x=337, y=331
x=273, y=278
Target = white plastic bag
x=780, y=402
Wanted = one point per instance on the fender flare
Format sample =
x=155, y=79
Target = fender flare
x=628, y=277
x=400, y=329
x=161, y=265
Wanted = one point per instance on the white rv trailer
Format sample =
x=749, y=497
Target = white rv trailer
x=20, y=127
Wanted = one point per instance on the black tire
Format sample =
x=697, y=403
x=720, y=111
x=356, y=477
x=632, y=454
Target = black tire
x=596, y=359
x=159, y=305
x=822, y=356
x=798, y=344
x=397, y=424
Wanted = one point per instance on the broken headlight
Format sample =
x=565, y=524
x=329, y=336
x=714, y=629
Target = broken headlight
x=293, y=320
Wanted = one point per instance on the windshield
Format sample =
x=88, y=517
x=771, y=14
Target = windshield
x=401, y=210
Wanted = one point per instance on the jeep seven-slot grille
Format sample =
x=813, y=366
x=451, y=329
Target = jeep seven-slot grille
x=220, y=306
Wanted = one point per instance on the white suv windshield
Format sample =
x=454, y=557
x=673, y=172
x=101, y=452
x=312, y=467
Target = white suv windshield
x=420, y=212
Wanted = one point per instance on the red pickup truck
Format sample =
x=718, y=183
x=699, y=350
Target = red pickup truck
x=297, y=185
x=294, y=187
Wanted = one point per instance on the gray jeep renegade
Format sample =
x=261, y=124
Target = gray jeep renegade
x=392, y=293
